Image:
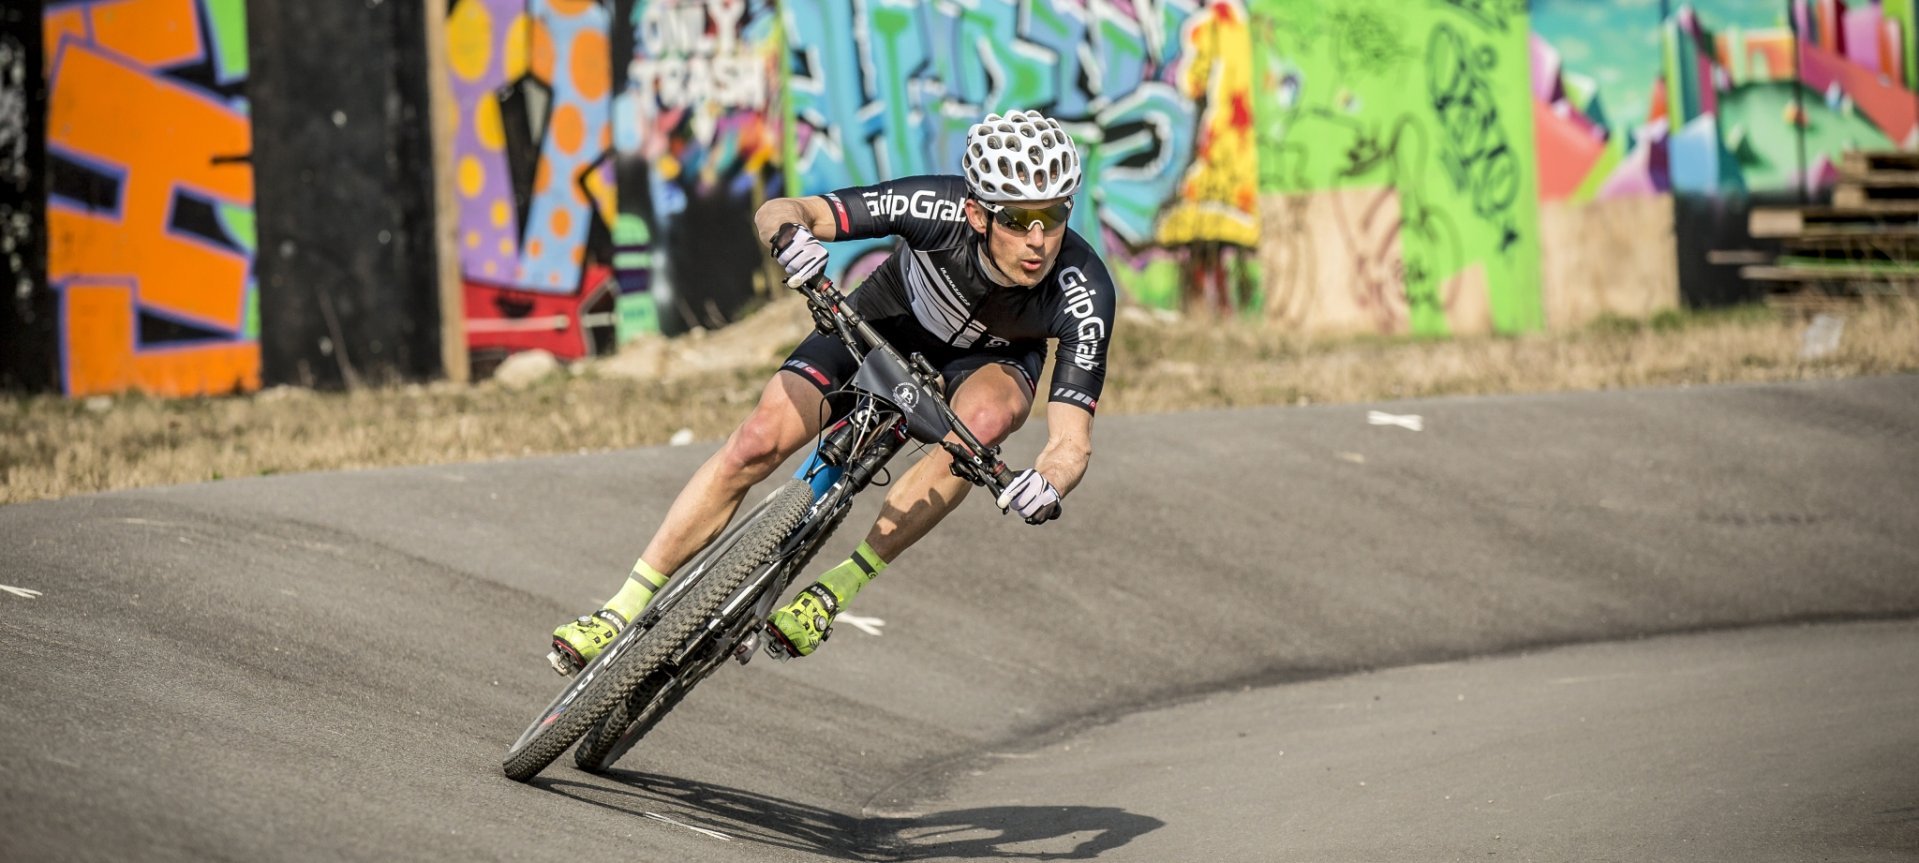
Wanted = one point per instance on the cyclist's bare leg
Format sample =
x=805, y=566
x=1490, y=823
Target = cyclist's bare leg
x=788, y=417
x=993, y=402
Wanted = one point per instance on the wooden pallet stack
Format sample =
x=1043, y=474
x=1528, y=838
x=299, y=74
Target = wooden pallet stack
x=1864, y=244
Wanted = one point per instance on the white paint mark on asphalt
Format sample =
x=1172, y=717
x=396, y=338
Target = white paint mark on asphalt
x=713, y=833
x=23, y=593
x=868, y=625
x=147, y=521
x=1353, y=457
x=1410, y=422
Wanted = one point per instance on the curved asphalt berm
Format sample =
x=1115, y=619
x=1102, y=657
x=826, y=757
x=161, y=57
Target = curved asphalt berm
x=330, y=666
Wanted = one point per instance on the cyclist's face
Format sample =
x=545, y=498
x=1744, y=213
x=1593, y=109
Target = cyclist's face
x=1023, y=255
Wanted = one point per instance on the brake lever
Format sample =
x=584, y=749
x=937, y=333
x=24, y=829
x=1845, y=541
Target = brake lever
x=987, y=472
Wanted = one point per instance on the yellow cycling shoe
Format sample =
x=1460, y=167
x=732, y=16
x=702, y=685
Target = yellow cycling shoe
x=577, y=642
x=804, y=623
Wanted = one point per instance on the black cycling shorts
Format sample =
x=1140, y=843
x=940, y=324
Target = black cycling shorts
x=824, y=361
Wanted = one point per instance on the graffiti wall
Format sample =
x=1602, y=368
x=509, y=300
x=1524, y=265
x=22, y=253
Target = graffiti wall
x=532, y=84
x=1719, y=103
x=150, y=196
x=1706, y=100
x=1599, y=99
x=1157, y=95
x=1743, y=121
x=1396, y=165
x=698, y=135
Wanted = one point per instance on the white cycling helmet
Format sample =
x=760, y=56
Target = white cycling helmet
x=1023, y=156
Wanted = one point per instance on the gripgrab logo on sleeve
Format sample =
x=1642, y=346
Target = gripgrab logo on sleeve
x=1092, y=328
x=923, y=205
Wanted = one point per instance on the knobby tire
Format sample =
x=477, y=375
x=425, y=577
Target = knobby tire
x=606, y=742
x=611, y=687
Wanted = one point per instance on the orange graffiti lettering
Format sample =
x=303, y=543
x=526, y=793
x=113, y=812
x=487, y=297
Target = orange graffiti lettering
x=163, y=137
x=154, y=33
x=100, y=357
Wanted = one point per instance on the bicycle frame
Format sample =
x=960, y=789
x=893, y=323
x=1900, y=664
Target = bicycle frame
x=898, y=400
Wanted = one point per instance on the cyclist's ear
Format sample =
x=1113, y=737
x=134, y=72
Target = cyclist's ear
x=975, y=215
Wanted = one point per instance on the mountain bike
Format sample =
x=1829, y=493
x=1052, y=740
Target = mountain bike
x=716, y=608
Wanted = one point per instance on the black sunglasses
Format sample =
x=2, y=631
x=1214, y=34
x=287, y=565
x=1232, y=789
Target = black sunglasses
x=1022, y=219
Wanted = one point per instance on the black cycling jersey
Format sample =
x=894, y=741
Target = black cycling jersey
x=936, y=277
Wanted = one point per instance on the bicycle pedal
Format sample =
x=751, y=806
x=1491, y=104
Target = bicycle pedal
x=776, y=649
x=743, y=652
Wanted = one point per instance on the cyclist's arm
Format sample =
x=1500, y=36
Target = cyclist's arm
x=1069, y=445
x=813, y=212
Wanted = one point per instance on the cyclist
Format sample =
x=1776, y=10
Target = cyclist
x=987, y=273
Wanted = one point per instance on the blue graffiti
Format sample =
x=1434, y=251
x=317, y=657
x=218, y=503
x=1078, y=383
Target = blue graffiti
x=883, y=91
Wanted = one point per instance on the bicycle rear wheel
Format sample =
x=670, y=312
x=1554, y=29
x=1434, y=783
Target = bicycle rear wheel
x=611, y=738
x=608, y=682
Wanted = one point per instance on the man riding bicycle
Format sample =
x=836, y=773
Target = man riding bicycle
x=987, y=273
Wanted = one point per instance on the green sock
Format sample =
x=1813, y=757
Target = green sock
x=633, y=597
x=846, y=579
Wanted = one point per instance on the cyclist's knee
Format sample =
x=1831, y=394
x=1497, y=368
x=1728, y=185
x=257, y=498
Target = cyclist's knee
x=993, y=423
x=759, y=445
x=774, y=430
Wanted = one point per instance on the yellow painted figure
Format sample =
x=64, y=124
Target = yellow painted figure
x=1218, y=199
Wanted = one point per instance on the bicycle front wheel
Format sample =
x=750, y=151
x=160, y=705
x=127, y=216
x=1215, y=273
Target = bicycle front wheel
x=611, y=679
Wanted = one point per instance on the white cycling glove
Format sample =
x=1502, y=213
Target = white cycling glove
x=801, y=253
x=1030, y=495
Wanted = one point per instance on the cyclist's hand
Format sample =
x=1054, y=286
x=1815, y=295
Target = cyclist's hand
x=801, y=253
x=1030, y=495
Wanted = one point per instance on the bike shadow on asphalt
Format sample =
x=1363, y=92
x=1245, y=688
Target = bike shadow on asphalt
x=987, y=833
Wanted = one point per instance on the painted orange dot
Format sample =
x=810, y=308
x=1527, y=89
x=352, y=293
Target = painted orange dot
x=533, y=249
x=579, y=252
x=562, y=223
x=473, y=239
x=543, y=176
x=542, y=59
x=506, y=246
x=569, y=128
x=591, y=73
x=570, y=8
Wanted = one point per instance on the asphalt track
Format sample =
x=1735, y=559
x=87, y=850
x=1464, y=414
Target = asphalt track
x=1668, y=624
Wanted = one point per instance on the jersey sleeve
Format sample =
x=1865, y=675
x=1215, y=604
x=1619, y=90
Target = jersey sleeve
x=927, y=210
x=1084, y=326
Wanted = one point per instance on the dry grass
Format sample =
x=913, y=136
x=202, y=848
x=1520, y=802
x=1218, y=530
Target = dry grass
x=1184, y=365
x=52, y=447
